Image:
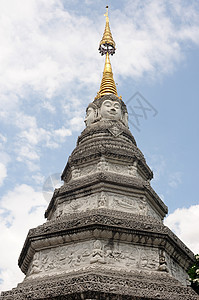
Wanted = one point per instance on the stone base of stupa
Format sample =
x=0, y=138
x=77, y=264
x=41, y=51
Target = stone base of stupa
x=103, y=284
x=92, y=257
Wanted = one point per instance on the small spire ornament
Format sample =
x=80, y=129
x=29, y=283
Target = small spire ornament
x=107, y=43
x=107, y=47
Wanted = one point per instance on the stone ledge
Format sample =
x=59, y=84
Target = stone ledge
x=116, y=286
x=96, y=140
x=116, y=150
x=109, y=178
x=104, y=223
x=102, y=126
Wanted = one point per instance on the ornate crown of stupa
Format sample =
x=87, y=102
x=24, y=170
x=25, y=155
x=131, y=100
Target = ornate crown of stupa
x=107, y=47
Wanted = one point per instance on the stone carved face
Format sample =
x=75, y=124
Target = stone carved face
x=90, y=116
x=111, y=110
x=108, y=107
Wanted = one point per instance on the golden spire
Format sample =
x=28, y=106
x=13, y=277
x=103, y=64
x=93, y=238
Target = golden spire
x=107, y=46
x=108, y=84
x=107, y=38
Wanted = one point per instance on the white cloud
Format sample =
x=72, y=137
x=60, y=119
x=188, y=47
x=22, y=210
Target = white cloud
x=20, y=209
x=4, y=159
x=27, y=152
x=40, y=58
x=23, y=121
x=151, y=36
x=77, y=123
x=47, y=105
x=3, y=173
x=158, y=165
x=32, y=165
x=185, y=223
x=38, y=178
x=43, y=48
x=41, y=45
x=3, y=139
x=31, y=137
x=63, y=132
x=175, y=179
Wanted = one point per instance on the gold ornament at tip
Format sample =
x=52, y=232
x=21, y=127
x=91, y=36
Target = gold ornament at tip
x=107, y=46
x=107, y=36
x=107, y=84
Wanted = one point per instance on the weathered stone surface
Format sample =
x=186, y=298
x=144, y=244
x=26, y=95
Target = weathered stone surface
x=104, y=237
x=103, y=285
x=108, y=180
x=110, y=139
x=113, y=255
x=135, y=204
x=115, y=226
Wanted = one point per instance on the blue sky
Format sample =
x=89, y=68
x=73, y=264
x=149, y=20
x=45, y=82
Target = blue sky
x=50, y=71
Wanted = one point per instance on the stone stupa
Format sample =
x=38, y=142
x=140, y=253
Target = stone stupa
x=104, y=236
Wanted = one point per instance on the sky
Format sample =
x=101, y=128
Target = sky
x=50, y=70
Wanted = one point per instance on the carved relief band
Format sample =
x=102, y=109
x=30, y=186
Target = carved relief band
x=115, y=201
x=88, y=254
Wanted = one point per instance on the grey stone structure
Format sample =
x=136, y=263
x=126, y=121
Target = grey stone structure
x=104, y=236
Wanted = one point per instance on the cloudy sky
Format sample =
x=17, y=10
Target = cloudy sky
x=50, y=70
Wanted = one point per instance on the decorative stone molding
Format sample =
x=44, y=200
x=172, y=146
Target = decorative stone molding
x=77, y=256
x=101, y=223
x=103, y=127
x=115, y=255
x=107, y=138
x=114, y=201
x=105, y=165
x=114, y=179
x=100, y=284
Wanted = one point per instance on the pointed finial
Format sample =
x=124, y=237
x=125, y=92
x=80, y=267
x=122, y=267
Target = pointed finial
x=106, y=14
x=107, y=46
x=107, y=43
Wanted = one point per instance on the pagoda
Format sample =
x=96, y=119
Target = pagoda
x=104, y=237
